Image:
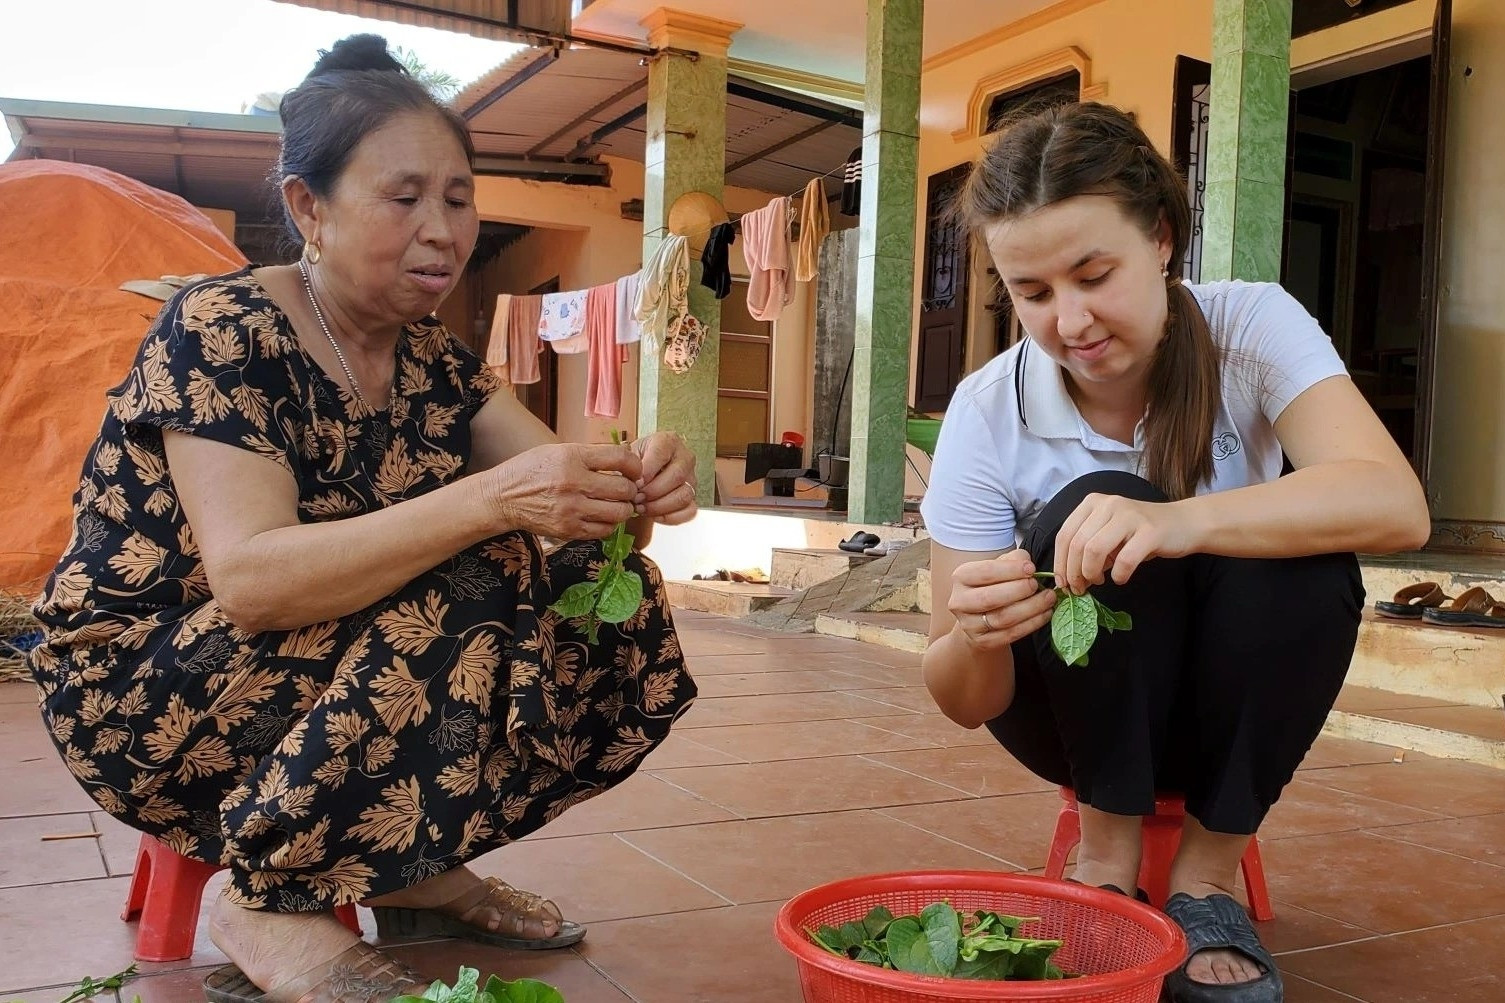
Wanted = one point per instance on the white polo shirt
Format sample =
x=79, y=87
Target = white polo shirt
x=993, y=473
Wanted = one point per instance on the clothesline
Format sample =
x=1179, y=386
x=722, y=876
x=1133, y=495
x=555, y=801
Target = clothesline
x=737, y=222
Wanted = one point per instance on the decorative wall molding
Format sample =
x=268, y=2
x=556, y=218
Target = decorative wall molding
x=1024, y=74
x=1471, y=537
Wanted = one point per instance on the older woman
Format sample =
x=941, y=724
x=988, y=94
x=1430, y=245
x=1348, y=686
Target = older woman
x=303, y=625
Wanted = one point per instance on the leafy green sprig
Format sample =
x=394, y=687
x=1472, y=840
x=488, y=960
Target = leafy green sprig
x=468, y=989
x=1076, y=621
x=613, y=594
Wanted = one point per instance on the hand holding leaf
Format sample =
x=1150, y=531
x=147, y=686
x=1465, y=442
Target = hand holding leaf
x=612, y=596
x=1074, y=625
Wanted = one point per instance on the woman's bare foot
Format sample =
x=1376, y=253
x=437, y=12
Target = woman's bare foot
x=458, y=891
x=273, y=948
x=1218, y=965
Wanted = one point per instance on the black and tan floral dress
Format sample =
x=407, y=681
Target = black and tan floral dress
x=354, y=757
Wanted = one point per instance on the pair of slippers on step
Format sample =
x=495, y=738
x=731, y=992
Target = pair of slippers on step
x=1426, y=601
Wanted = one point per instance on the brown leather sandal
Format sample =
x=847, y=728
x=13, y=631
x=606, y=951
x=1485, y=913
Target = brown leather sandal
x=516, y=910
x=1474, y=608
x=360, y=974
x=1410, y=602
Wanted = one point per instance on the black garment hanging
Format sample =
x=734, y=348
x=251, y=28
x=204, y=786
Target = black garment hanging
x=851, y=184
x=716, y=273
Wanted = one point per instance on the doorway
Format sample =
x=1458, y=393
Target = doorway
x=1355, y=232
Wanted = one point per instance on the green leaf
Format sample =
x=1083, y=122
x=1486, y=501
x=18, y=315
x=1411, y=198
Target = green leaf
x=619, y=544
x=876, y=922
x=943, y=930
x=908, y=948
x=437, y=991
x=829, y=938
x=988, y=965
x=1009, y=924
x=467, y=984
x=578, y=600
x=1111, y=620
x=1073, y=626
x=529, y=991
x=621, y=595
x=1034, y=959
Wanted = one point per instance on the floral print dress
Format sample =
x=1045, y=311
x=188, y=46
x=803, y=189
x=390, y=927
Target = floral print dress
x=354, y=757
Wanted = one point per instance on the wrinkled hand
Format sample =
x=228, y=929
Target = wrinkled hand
x=1108, y=534
x=666, y=487
x=566, y=490
x=996, y=602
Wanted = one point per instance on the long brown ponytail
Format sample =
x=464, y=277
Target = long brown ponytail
x=1092, y=149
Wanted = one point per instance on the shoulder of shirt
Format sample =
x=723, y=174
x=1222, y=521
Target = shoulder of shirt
x=995, y=377
x=1228, y=303
x=1229, y=295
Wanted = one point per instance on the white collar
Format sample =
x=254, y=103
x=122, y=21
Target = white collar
x=1049, y=411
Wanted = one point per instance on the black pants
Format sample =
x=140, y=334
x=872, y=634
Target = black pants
x=1218, y=691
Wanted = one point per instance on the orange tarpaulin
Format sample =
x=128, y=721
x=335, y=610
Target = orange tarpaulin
x=70, y=234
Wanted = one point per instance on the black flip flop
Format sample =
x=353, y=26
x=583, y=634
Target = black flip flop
x=1214, y=923
x=858, y=543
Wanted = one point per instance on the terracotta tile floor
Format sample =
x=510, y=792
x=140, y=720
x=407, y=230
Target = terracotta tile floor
x=808, y=759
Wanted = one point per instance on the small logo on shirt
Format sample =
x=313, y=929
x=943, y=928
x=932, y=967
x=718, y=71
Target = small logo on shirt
x=1225, y=446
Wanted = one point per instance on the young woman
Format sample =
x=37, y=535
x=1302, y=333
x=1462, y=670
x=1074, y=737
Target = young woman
x=1134, y=444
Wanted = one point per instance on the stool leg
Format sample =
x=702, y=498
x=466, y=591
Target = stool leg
x=1161, y=838
x=1068, y=835
x=170, y=914
x=1254, y=883
x=141, y=879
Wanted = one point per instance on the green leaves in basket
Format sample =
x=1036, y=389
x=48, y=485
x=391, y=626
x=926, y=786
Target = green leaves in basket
x=467, y=989
x=1075, y=623
x=941, y=941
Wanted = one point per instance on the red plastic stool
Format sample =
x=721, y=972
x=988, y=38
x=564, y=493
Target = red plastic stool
x=1162, y=834
x=166, y=891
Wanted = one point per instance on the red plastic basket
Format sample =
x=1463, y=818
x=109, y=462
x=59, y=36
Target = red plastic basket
x=1121, y=949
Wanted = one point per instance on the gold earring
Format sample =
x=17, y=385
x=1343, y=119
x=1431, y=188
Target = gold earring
x=311, y=252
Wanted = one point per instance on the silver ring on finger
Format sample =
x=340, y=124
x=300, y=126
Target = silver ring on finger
x=988, y=627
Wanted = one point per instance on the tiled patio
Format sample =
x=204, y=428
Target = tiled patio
x=809, y=758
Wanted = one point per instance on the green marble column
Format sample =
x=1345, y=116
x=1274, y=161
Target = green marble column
x=686, y=152
x=885, y=259
x=1246, y=157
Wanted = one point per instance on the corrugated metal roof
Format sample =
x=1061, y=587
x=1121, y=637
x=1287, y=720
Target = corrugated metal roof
x=590, y=102
x=215, y=160
x=481, y=18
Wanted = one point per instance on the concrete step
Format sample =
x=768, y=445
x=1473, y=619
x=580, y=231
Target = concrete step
x=1456, y=665
x=1419, y=724
x=1404, y=721
x=901, y=631
x=1384, y=576
x=734, y=599
x=801, y=567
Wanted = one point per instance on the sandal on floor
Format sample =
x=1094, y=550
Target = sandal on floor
x=360, y=974
x=1410, y=602
x=1219, y=922
x=516, y=908
x=1140, y=895
x=858, y=543
x=1474, y=608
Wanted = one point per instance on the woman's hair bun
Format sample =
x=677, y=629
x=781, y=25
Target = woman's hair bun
x=358, y=52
